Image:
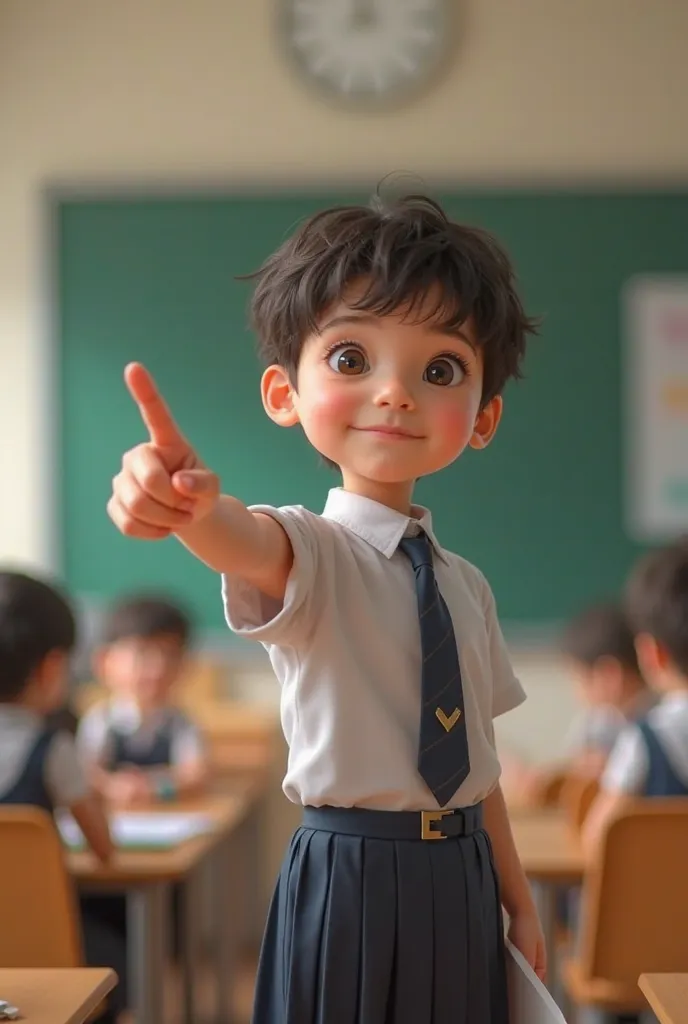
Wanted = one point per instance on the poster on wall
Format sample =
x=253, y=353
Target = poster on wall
x=656, y=407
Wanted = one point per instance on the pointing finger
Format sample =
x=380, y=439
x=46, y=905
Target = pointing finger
x=164, y=432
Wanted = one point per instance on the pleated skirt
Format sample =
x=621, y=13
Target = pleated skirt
x=383, y=931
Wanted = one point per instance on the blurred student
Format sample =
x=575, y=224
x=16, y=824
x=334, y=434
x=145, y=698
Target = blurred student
x=650, y=758
x=39, y=764
x=136, y=744
x=598, y=645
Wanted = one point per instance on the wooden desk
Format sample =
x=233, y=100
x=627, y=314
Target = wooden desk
x=60, y=996
x=667, y=995
x=549, y=849
x=146, y=878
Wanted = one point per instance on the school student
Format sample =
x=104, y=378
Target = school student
x=136, y=744
x=650, y=758
x=598, y=645
x=39, y=763
x=390, y=333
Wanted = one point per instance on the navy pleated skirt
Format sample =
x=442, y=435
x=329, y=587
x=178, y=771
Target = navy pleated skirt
x=370, y=930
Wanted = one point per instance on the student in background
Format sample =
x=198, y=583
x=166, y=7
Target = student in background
x=598, y=645
x=136, y=745
x=650, y=758
x=39, y=764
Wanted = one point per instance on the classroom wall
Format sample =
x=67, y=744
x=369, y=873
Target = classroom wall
x=166, y=90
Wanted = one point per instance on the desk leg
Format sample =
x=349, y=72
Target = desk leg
x=191, y=933
x=224, y=879
x=147, y=914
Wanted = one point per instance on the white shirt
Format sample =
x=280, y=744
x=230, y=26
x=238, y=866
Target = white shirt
x=628, y=765
x=64, y=777
x=94, y=735
x=345, y=646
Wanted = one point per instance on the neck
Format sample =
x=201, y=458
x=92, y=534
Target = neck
x=397, y=495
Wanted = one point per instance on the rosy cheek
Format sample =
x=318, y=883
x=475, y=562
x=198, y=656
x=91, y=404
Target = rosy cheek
x=453, y=423
x=334, y=406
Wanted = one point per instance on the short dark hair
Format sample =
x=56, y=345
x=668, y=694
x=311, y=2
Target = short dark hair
x=35, y=619
x=146, y=616
x=601, y=631
x=657, y=600
x=404, y=250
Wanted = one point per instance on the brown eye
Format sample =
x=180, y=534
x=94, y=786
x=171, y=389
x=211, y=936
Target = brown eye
x=349, y=361
x=444, y=371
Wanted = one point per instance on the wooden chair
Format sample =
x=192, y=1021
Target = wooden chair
x=547, y=790
x=576, y=797
x=40, y=925
x=634, y=905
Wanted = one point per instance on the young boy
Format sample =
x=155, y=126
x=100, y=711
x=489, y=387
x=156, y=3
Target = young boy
x=390, y=333
x=39, y=764
x=650, y=758
x=136, y=745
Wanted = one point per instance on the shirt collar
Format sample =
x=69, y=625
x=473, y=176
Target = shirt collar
x=675, y=699
x=378, y=525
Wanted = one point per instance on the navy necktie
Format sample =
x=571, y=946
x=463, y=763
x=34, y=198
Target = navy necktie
x=443, y=760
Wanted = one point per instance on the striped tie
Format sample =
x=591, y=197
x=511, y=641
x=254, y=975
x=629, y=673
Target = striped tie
x=443, y=759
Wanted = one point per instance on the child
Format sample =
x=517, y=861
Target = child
x=390, y=334
x=599, y=645
x=650, y=758
x=39, y=764
x=136, y=745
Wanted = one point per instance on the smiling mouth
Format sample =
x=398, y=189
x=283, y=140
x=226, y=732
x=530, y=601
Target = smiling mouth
x=393, y=433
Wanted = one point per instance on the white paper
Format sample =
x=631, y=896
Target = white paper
x=656, y=407
x=138, y=828
x=529, y=1000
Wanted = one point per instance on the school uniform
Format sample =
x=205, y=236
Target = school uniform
x=114, y=734
x=650, y=758
x=373, y=921
x=40, y=767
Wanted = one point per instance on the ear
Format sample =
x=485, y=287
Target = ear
x=652, y=657
x=487, y=422
x=278, y=396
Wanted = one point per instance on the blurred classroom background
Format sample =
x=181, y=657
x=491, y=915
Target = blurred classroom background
x=150, y=152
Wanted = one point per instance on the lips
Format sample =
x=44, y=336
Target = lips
x=390, y=431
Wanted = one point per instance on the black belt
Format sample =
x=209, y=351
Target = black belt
x=359, y=821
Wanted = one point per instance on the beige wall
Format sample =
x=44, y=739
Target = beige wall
x=170, y=89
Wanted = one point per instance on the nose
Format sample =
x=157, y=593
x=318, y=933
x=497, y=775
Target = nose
x=393, y=393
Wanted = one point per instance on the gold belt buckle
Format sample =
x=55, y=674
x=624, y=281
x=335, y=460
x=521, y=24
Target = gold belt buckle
x=426, y=820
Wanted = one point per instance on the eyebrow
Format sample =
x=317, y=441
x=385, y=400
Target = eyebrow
x=349, y=319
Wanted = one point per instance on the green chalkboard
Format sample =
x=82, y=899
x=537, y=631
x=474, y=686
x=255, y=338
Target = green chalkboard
x=152, y=279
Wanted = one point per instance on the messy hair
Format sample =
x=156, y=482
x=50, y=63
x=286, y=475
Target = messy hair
x=409, y=258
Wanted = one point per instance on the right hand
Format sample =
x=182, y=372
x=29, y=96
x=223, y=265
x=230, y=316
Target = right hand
x=163, y=486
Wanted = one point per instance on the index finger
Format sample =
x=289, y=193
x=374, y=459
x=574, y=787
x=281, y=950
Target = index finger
x=154, y=410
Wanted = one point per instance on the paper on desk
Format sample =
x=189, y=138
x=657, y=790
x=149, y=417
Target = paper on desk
x=529, y=1000
x=159, y=830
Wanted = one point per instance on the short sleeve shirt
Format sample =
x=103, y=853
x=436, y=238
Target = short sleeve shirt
x=628, y=766
x=345, y=647
x=94, y=735
x=64, y=778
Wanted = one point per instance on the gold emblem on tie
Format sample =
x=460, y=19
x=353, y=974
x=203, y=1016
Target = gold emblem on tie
x=448, y=721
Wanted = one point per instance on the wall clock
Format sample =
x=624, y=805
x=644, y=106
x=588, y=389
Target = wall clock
x=368, y=52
